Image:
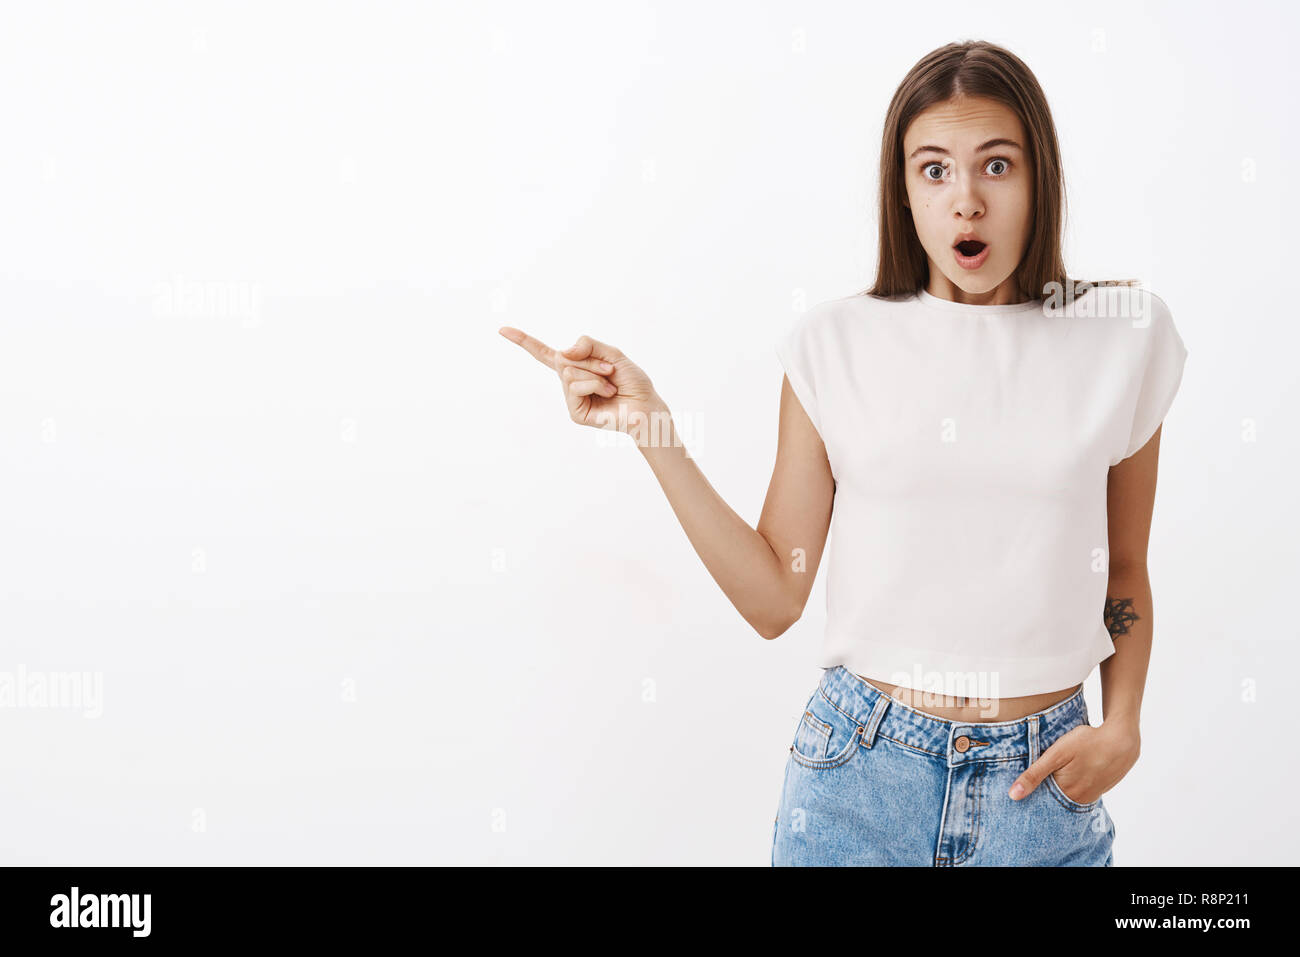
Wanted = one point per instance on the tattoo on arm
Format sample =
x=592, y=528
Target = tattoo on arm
x=1119, y=616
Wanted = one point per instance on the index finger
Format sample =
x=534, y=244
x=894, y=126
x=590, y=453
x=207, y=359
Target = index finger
x=540, y=350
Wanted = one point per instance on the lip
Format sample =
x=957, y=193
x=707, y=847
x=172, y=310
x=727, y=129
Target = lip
x=971, y=262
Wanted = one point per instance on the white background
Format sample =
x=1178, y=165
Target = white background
x=357, y=589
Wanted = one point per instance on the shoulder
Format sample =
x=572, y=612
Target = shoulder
x=1164, y=339
x=1134, y=314
x=1102, y=301
x=1144, y=304
x=1155, y=302
x=1140, y=328
x=830, y=318
x=1142, y=310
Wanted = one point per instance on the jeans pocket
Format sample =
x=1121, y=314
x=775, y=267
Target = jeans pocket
x=826, y=737
x=1068, y=802
x=812, y=740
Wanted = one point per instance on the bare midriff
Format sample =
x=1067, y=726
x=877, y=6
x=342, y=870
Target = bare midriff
x=970, y=710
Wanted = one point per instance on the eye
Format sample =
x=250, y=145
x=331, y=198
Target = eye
x=926, y=174
x=1006, y=164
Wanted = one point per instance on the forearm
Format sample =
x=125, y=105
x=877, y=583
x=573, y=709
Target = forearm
x=740, y=559
x=1129, y=617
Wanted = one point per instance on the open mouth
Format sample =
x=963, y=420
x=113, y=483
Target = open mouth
x=971, y=253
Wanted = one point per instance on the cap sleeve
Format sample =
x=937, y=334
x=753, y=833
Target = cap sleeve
x=1161, y=375
x=794, y=352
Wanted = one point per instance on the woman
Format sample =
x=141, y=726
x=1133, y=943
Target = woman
x=981, y=434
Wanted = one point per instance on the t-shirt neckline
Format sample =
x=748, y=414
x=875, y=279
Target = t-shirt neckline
x=947, y=305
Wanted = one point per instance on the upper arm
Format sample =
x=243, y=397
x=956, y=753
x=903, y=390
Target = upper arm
x=797, y=511
x=1131, y=482
x=1130, y=499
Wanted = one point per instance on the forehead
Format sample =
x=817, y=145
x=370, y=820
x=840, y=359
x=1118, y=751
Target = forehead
x=959, y=125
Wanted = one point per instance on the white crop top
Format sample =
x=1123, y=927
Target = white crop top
x=970, y=445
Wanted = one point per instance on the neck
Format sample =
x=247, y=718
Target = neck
x=1005, y=293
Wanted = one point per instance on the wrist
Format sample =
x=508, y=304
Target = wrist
x=653, y=428
x=1125, y=722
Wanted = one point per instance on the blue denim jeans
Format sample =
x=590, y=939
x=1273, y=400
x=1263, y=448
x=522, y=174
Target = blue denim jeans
x=871, y=781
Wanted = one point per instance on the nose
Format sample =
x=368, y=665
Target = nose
x=967, y=202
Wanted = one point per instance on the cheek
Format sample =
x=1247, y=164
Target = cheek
x=918, y=198
x=1025, y=208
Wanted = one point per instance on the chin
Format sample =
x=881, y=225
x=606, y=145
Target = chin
x=976, y=285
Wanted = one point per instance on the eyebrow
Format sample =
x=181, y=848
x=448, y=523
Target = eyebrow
x=979, y=149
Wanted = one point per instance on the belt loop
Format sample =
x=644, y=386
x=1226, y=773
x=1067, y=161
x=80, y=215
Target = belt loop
x=1033, y=738
x=873, y=722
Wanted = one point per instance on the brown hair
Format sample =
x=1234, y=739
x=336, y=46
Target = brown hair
x=973, y=68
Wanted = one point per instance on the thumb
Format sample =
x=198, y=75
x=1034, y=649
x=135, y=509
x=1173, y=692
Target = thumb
x=587, y=347
x=581, y=349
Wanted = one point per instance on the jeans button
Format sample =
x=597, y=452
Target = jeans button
x=961, y=743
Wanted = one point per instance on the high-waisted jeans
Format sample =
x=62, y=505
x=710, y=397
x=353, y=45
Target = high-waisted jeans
x=871, y=781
